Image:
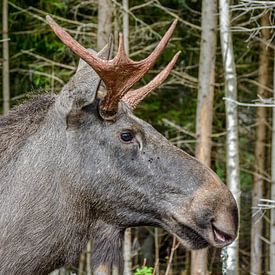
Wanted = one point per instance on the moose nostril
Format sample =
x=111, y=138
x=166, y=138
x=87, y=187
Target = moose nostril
x=204, y=218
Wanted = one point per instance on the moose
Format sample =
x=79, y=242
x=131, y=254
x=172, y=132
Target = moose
x=81, y=166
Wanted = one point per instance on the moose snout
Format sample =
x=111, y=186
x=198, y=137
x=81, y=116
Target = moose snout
x=215, y=214
x=224, y=228
x=209, y=219
x=225, y=224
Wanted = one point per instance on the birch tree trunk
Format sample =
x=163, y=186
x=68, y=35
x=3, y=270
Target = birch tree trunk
x=232, y=145
x=104, y=28
x=127, y=247
x=204, y=115
x=261, y=131
x=126, y=25
x=6, y=71
x=272, y=222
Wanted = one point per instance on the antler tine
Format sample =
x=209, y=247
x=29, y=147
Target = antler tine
x=97, y=63
x=134, y=97
x=121, y=54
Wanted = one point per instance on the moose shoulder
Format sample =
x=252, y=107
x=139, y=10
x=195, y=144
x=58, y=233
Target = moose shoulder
x=78, y=166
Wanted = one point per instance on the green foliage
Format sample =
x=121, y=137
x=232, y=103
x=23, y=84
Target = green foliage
x=144, y=271
x=220, y=169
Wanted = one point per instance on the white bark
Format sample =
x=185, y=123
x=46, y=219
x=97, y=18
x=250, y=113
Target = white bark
x=6, y=71
x=233, y=179
x=127, y=247
x=272, y=224
x=126, y=25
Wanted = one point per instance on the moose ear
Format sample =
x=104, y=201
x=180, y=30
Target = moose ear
x=82, y=88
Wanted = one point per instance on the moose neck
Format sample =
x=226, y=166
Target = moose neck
x=56, y=222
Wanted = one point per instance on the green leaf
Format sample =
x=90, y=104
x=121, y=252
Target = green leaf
x=144, y=271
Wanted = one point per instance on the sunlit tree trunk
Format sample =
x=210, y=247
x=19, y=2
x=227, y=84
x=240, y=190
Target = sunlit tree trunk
x=126, y=25
x=104, y=28
x=204, y=115
x=260, y=153
x=230, y=265
x=127, y=248
x=6, y=71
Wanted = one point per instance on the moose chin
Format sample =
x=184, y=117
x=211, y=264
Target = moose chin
x=81, y=166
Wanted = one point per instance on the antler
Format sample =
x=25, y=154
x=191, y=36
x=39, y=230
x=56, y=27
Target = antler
x=120, y=73
x=134, y=97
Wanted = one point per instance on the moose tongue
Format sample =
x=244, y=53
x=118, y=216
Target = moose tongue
x=219, y=236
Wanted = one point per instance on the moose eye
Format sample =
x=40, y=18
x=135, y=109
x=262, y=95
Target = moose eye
x=126, y=136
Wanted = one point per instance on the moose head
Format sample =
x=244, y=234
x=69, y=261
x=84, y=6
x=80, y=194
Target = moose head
x=147, y=180
x=90, y=162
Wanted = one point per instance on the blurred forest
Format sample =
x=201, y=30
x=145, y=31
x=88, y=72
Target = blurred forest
x=39, y=62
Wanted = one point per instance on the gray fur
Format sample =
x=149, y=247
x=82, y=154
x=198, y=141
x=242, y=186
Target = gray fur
x=21, y=123
x=66, y=177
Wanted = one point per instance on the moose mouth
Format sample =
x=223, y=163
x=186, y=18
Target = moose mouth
x=202, y=238
x=221, y=238
x=193, y=238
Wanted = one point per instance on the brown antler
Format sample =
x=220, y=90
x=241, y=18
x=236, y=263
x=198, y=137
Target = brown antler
x=120, y=73
x=134, y=97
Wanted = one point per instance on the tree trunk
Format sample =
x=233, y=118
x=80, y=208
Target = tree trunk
x=261, y=131
x=156, y=240
x=230, y=264
x=127, y=248
x=272, y=222
x=104, y=28
x=204, y=115
x=88, y=259
x=6, y=71
x=126, y=25
x=127, y=254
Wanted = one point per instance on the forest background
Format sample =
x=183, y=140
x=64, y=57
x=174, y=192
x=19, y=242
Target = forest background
x=193, y=103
